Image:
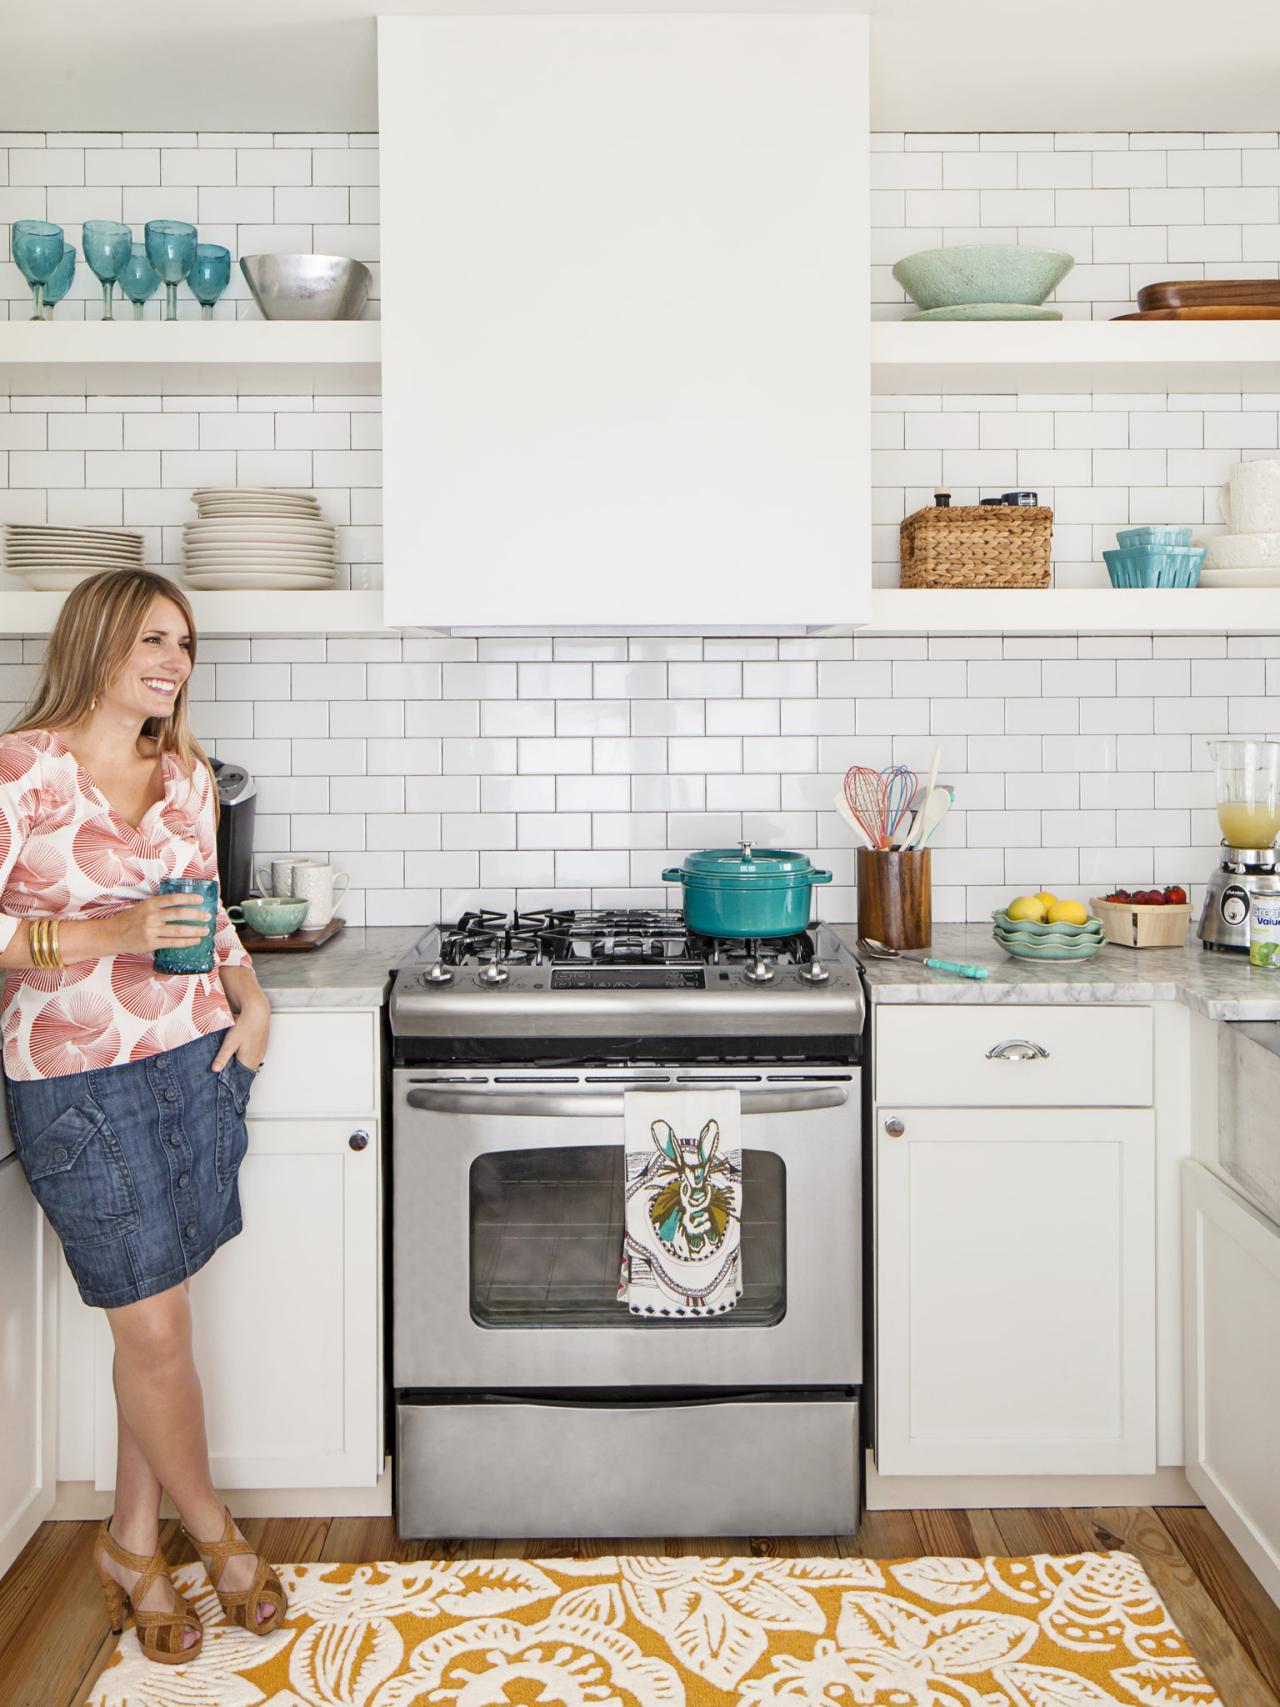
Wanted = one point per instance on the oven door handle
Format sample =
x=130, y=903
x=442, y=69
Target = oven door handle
x=600, y=1106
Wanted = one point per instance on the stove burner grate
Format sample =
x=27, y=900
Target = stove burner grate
x=607, y=936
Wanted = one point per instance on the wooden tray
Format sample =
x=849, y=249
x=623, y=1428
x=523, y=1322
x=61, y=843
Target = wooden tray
x=1209, y=311
x=295, y=944
x=1195, y=293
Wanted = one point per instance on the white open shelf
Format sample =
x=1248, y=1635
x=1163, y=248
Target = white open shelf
x=332, y=611
x=192, y=356
x=1054, y=356
x=1075, y=610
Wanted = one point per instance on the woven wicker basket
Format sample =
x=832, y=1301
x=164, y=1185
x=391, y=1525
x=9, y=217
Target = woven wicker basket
x=977, y=545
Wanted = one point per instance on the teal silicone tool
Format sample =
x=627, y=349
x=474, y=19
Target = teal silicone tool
x=955, y=966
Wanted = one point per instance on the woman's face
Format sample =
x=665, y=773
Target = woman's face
x=160, y=662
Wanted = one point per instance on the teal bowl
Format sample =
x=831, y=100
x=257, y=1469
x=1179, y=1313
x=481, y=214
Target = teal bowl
x=1130, y=539
x=1032, y=931
x=1155, y=566
x=982, y=272
x=1021, y=950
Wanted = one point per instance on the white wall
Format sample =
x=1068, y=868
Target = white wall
x=444, y=773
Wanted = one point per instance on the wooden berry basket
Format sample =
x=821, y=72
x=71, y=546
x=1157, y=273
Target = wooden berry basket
x=1134, y=926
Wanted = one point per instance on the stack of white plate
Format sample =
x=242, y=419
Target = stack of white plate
x=51, y=559
x=251, y=536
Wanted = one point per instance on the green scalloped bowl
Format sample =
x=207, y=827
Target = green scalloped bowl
x=1023, y=950
x=1033, y=932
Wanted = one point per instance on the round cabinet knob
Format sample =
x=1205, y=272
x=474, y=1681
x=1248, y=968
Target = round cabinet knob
x=894, y=1128
x=359, y=1140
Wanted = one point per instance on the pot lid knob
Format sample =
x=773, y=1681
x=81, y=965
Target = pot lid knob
x=748, y=850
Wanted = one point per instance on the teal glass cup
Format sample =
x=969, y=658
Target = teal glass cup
x=107, y=248
x=209, y=276
x=37, y=249
x=196, y=956
x=59, y=281
x=139, y=281
x=171, y=249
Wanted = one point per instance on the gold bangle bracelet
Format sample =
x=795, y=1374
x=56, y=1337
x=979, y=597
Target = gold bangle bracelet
x=33, y=940
x=46, y=959
x=55, y=950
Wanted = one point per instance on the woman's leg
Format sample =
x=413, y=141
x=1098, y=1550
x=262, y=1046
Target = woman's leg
x=162, y=1431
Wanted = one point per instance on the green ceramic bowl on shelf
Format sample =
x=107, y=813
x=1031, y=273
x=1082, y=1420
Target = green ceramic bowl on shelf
x=982, y=272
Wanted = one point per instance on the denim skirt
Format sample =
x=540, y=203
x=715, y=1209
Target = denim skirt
x=135, y=1165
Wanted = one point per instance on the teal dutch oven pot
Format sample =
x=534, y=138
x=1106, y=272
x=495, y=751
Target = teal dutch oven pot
x=746, y=891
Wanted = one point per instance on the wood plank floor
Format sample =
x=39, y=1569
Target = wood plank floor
x=54, y=1638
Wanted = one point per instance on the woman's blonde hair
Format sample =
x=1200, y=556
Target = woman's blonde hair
x=98, y=627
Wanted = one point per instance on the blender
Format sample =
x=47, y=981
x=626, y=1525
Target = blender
x=1248, y=795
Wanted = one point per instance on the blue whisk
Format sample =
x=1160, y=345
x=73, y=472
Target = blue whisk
x=898, y=786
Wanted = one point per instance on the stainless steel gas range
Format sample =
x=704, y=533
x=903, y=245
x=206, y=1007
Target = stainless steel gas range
x=529, y=1401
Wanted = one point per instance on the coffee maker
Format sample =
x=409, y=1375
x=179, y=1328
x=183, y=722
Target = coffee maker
x=1248, y=795
x=237, y=801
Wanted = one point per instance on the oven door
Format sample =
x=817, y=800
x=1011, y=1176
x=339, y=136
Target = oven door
x=508, y=1226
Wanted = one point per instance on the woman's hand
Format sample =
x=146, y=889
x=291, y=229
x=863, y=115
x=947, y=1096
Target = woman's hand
x=161, y=921
x=247, y=1037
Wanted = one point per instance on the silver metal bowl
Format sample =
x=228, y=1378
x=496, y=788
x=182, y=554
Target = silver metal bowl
x=307, y=287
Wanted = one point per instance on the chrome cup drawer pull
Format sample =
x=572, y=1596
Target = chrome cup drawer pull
x=1017, y=1049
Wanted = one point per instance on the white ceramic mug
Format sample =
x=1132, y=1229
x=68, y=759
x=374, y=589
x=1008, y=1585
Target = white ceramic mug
x=278, y=879
x=1250, y=498
x=322, y=886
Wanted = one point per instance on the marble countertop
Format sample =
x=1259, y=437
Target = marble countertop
x=353, y=970
x=1222, y=986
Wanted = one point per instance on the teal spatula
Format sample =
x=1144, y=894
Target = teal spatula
x=878, y=951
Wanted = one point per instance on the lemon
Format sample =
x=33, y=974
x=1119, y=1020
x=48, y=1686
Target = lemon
x=1028, y=907
x=1046, y=899
x=1068, y=913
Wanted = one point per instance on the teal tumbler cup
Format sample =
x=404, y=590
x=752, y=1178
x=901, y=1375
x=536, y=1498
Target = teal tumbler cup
x=196, y=956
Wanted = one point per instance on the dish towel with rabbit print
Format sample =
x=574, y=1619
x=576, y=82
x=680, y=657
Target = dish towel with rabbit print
x=681, y=1252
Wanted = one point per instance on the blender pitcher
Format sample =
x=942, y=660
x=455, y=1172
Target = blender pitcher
x=1248, y=791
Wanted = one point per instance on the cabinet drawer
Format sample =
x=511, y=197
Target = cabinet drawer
x=946, y=1056
x=319, y=1063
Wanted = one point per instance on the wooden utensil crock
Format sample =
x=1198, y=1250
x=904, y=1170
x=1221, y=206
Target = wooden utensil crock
x=895, y=897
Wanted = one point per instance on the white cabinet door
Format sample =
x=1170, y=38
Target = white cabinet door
x=1231, y=1277
x=288, y=1317
x=1015, y=1289
x=625, y=325
x=28, y=1316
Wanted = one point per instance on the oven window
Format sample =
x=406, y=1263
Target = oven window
x=546, y=1241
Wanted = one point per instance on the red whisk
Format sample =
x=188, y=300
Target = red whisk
x=864, y=791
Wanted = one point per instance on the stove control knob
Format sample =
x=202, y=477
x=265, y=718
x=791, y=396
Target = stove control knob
x=494, y=974
x=815, y=973
x=758, y=972
x=439, y=974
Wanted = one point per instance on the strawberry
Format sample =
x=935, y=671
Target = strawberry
x=1176, y=895
x=1120, y=895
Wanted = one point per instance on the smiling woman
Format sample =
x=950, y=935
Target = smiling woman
x=127, y=1085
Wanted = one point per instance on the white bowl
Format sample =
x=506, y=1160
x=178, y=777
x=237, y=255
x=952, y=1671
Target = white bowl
x=1242, y=551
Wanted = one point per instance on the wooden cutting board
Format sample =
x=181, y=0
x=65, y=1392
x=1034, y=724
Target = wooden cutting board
x=1206, y=311
x=298, y=942
x=1196, y=293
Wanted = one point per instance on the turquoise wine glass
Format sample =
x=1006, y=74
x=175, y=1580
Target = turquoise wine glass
x=37, y=249
x=59, y=281
x=139, y=281
x=209, y=276
x=107, y=248
x=171, y=249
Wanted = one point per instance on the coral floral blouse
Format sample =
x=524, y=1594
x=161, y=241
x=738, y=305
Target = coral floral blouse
x=65, y=854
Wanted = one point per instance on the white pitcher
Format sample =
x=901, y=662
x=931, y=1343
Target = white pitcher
x=322, y=886
x=1250, y=498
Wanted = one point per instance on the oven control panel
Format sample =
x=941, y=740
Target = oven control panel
x=629, y=978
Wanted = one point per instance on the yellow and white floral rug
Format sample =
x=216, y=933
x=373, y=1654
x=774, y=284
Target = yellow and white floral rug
x=631, y=1631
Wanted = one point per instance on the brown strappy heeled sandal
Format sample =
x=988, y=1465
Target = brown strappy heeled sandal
x=241, y=1605
x=160, y=1634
